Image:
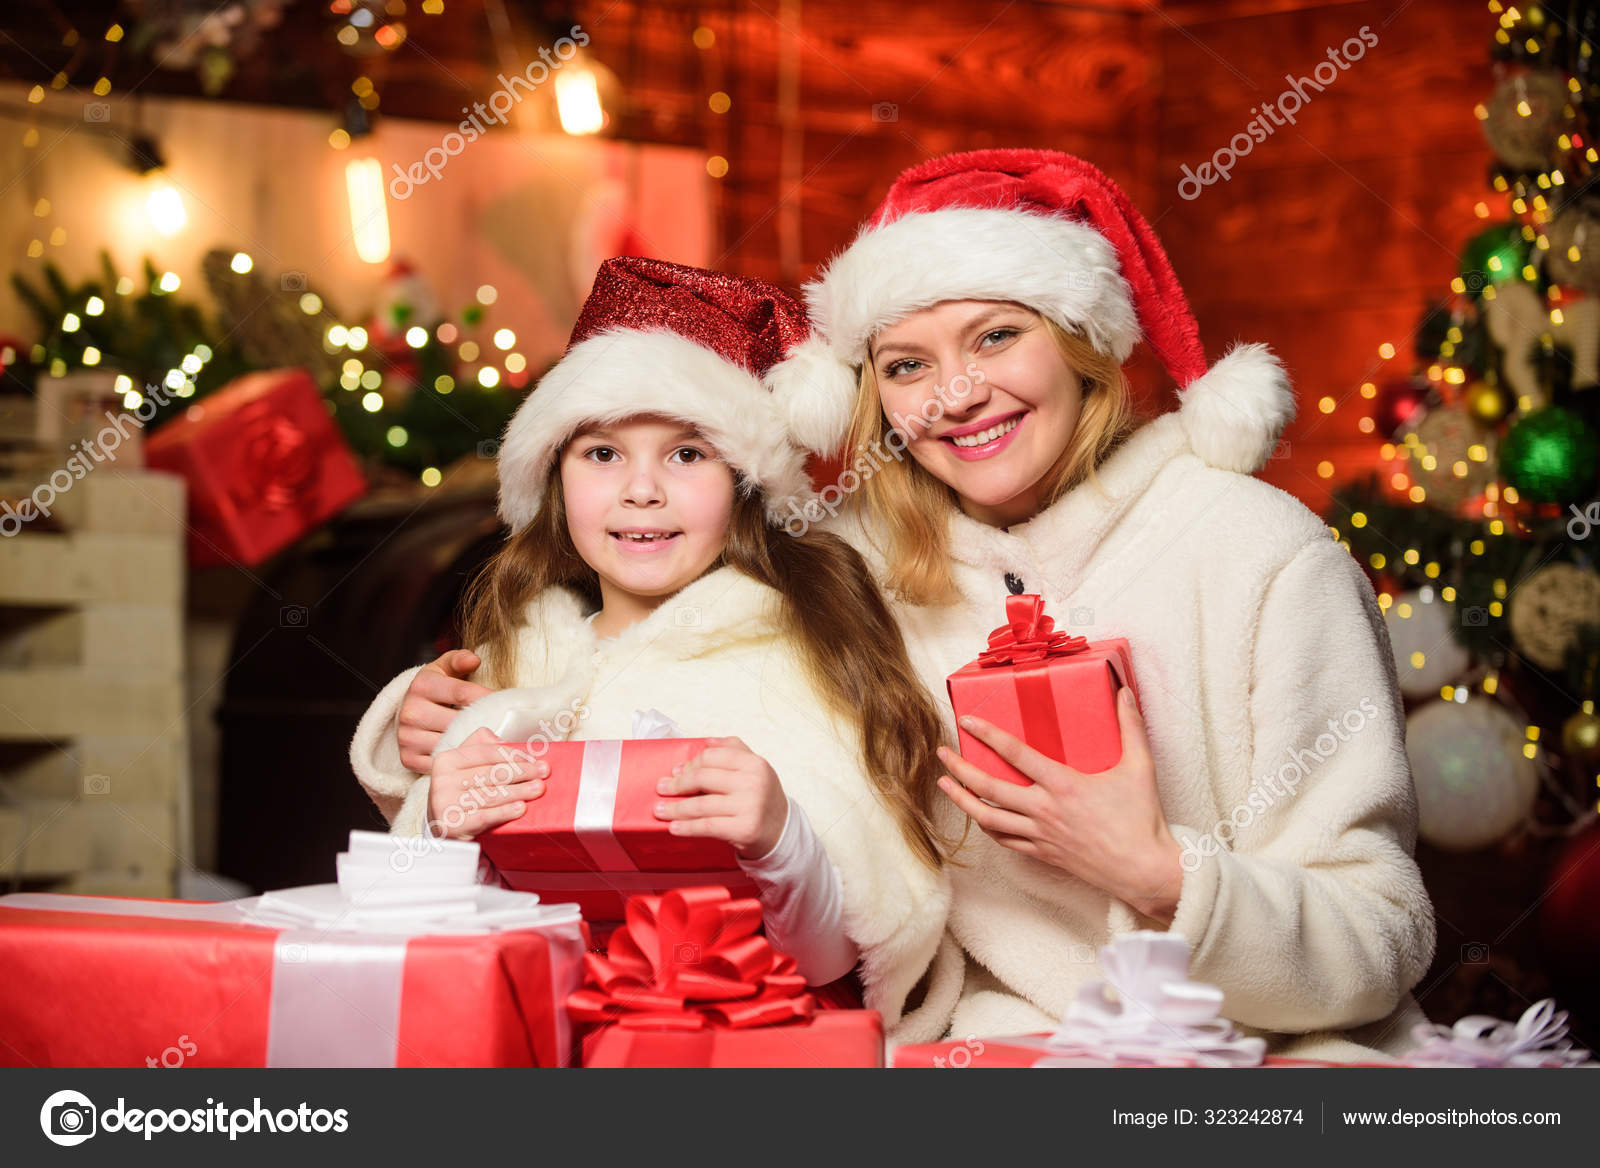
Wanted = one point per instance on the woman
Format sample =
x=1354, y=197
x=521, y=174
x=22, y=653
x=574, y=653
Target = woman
x=1262, y=807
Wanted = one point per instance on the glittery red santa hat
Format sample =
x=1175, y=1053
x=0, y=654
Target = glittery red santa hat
x=1042, y=229
x=674, y=341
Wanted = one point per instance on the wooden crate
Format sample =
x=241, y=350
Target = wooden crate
x=94, y=783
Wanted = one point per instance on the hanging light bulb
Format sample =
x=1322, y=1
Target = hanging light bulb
x=162, y=202
x=369, y=213
x=578, y=100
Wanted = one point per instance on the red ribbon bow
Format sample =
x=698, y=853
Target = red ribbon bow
x=1028, y=635
x=688, y=960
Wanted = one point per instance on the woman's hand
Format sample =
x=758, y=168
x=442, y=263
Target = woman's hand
x=737, y=798
x=1107, y=829
x=435, y=694
x=481, y=784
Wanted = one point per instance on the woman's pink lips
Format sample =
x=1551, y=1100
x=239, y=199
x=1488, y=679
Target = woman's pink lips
x=988, y=449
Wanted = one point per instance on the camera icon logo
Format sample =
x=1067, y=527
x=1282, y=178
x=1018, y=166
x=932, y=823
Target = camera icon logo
x=1082, y=615
x=97, y=784
x=686, y=616
x=885, y=111
x=292, y=616
x=292, y=281
x=1475, y=617
x=686, y=953
x=97, y=111
x=489, y=448
x=1474, y=953
x=67, y=1118
x=1282, y=449
x=291, y=953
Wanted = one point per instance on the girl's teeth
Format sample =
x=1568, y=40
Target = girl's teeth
x=638, y=538
x=988, y=435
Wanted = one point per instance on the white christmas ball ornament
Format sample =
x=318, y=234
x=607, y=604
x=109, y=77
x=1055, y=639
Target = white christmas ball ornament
x=1474, y=783
x=1427, y=656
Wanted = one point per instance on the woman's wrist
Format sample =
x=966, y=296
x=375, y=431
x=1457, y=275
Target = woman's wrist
x=1156, y=891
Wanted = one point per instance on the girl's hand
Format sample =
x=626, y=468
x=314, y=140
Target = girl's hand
x=481, y=784
x=737, y=797
x=1107, y=829
x=432, y=699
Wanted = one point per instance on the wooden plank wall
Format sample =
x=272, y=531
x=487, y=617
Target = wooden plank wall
x=1326, y=242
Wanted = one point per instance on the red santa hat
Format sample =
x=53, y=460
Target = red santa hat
x=1042, y=229
x=680, y=342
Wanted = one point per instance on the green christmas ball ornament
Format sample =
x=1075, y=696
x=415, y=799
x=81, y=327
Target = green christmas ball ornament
x=1551, y=456
x=1493, y=256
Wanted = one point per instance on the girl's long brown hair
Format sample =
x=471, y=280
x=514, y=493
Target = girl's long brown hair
x=912, y=507
x=832, y=610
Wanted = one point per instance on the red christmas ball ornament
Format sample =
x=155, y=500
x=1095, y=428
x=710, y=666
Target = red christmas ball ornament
x=1399, y=402
x=1569, y=927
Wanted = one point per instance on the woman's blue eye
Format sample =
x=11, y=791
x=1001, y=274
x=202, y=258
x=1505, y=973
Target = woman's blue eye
x=899, y=367
x=1002, y=333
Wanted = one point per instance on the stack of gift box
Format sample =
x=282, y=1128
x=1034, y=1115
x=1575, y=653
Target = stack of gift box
x=584, y=932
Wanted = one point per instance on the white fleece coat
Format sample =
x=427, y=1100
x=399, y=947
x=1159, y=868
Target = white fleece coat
x=712, y=659
x=1251, y=631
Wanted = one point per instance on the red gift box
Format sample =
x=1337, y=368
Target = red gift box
x=264, y=463
x=1027, y=1050
x=593, y=836
x=1056, y=692
x=688, y=981
x=98, y=982
x=833, y=1038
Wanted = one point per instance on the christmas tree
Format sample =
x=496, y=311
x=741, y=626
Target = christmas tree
x=1480, y=529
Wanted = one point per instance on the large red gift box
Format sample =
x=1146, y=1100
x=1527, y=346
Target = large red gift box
x=1027, y=1050
x=833, y=1038
x=264, y=463
x=110, y=983
x=689, y=981
x=1057, y=693
x=593, y=837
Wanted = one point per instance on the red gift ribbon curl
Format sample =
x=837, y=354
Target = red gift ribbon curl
x=691, y=959
x=1028, y=635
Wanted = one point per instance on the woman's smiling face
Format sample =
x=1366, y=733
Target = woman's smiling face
x=993, y=442
x=648, y=504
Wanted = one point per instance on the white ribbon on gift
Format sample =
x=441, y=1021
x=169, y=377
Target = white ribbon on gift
x=598, y=779
x=1158, y=1017
x=1537, y=1039
x=336, y=987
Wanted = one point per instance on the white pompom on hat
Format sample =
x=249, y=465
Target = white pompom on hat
x=1045, y=230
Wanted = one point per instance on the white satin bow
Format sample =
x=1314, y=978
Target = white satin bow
x=1158, y=1016
x=1537, y=1039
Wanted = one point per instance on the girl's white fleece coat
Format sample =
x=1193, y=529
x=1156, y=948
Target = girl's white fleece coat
x=712, y=659
x=1258, y=648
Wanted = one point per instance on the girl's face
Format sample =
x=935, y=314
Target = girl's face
x=993, y=436
x=648, y=505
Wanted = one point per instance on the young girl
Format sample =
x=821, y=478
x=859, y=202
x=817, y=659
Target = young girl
x=1263, y=807
x=644, y=482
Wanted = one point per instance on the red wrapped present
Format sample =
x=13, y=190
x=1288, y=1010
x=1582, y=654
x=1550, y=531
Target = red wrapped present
x=264, y=462
x=104, y=982
x=1035, y=1050
x=1057, y=693
x=593, y=836
x=688, y=981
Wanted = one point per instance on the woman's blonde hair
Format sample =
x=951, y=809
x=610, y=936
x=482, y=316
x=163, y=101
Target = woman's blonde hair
x=911, y=507
x=848, y=641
